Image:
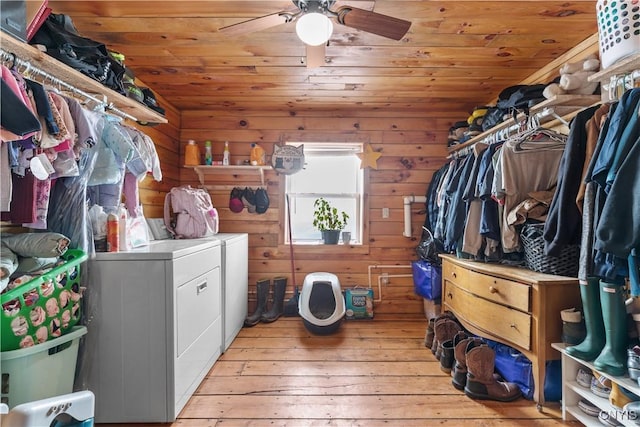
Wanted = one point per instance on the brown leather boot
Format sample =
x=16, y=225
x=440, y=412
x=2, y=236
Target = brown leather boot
x=481, y=383
x=445, y=330
x=429, y=334
x=459, y=371
x=447, y=358
x=434, y=342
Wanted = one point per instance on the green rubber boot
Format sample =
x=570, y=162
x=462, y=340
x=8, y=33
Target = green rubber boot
x=594, y=340
x=613, y=358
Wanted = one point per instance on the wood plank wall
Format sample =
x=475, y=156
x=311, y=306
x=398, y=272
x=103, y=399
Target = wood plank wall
x=412, y=148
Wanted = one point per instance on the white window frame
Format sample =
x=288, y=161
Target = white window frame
x=316, y=149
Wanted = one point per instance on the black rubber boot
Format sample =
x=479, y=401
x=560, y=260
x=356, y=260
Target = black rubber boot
x=262, y=293
x=277, y=307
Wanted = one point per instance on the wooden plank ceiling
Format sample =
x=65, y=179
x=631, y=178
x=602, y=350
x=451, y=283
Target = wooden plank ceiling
x=456, y=55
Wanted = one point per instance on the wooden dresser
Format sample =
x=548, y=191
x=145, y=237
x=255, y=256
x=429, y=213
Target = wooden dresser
x=512, y=305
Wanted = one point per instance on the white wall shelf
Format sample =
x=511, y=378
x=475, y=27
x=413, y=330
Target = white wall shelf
x=203, y=171
x=623, y=66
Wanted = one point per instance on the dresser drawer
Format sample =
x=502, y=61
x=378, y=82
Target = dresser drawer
x=455, y=274
x=514, y=294
x=502, y=322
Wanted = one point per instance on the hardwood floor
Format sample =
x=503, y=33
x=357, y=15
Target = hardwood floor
x=369, y=373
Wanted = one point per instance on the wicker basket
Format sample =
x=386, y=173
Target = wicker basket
x=535, y=259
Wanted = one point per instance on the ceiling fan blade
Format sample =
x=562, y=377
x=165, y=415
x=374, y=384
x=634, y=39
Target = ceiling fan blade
x=372, y=22
x=315, y=55
x=256, y=24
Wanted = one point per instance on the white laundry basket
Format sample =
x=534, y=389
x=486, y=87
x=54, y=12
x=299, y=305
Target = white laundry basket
x=618, y=29
x=42, y=371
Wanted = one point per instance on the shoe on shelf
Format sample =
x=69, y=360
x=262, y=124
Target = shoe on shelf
x=608, y=418
x=584, y=377
x=633, y=362
x=600, y=385
x=588, y=408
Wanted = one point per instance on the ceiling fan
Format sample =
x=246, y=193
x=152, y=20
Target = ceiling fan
x=314, y=27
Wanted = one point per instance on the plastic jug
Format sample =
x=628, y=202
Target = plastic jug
x=191, y=154
x=257, y=155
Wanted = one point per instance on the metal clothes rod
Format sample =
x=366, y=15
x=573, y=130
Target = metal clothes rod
x=10, y=57
x=530, y=122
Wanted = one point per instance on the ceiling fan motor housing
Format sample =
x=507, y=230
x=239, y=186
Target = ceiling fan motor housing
x=311, y=6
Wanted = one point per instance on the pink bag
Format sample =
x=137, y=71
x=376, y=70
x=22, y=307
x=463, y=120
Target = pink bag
x=195, y=215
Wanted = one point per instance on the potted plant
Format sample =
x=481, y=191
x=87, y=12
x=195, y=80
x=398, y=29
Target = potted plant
x=328, y=220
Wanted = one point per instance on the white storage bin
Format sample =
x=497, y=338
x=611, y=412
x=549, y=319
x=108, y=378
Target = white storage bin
x=42, y=371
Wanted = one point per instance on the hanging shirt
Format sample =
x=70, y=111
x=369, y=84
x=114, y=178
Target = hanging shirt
x=527, y=165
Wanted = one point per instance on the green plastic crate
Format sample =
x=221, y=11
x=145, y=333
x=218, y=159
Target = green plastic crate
x=45, y=307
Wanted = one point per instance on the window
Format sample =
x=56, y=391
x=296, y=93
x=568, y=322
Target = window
x=331, y=171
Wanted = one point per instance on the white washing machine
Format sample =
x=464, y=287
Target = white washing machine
x=235, y=284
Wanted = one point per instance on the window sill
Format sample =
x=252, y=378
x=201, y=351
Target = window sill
x=323, y=249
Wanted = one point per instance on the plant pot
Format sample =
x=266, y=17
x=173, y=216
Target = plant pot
x=330, y=237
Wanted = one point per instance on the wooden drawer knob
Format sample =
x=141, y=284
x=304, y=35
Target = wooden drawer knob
x=453, y=274
x=494, y=290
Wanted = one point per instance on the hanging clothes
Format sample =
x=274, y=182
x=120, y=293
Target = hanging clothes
x=431, y=205
x=615, y=170
x=17, y=118
x=594, y=128
x=563, y=223
x=490, y=214
x=457, y=210
x=443, y=200
x=472, y=240
x=529, y=163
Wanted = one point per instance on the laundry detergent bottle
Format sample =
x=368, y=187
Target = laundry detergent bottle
x=191, y=154
x=257, y=155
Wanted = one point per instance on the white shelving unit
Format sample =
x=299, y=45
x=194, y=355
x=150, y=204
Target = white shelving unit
x=572, y=393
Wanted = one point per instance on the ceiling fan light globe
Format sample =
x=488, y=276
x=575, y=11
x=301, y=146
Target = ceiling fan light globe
x=314, y=29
